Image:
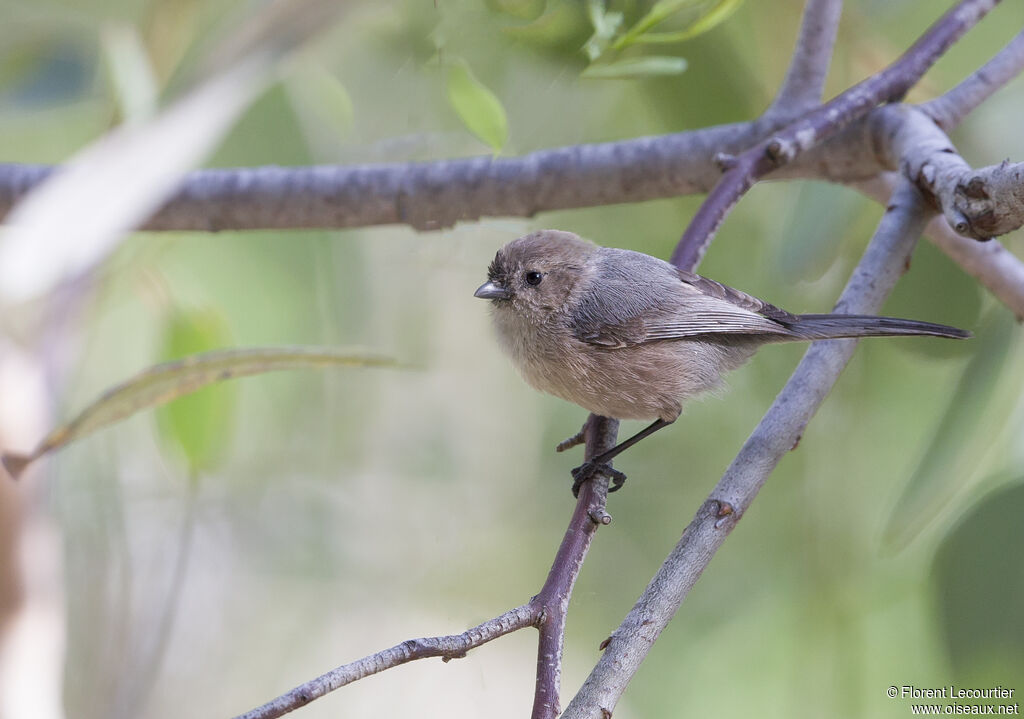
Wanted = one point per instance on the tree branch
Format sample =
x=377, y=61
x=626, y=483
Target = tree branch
x=816, y=126
x=449, y=647
x=546, y=611
x=433, y=195
x=553, y=599
x=976, y=203
x=805, y=78
x=950, y=109
x=995, y=267
x=777, y=434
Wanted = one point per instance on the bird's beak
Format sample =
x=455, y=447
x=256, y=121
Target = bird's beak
x=491, y=291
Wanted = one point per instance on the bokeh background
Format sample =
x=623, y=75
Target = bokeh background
x=331, y=514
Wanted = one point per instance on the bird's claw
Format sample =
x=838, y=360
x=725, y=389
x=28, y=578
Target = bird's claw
x=587, y=470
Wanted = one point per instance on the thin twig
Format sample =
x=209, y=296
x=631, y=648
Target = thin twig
x=449, y=647
x=777, y=433
x=816, y=126
x=805, y=78
x=950, y=109
x=553, y=599
x=546, y=611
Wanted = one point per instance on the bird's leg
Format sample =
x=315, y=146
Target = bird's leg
x=599, y=464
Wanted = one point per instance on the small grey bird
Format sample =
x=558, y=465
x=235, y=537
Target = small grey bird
x=626, y=335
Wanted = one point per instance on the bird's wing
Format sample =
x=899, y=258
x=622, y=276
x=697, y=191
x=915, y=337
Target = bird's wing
x=622, y=310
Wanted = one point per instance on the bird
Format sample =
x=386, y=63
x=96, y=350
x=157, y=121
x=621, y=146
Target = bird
x=626, y=335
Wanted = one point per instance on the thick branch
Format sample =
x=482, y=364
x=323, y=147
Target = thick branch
x=976, y=203
x=818, y=125
x=433, y=195
x=950, y=109
x=777, y=434
x=449, y=647
x=995, y=267
x=805, y=78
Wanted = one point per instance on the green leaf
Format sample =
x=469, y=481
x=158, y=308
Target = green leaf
x=654, y=65
x=715, y=14
x=162, y=383
x=479, y=109
x=605, y=25
x=197, y=425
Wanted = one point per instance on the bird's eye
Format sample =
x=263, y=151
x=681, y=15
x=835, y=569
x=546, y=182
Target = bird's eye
x=533, y=278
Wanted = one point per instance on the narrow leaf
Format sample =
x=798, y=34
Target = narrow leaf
x=711, y=18
x=478, y=108
x=637, y=67
x=162, y=383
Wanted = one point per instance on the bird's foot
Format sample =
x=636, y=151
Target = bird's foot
x=571, y=442
x=589, y=469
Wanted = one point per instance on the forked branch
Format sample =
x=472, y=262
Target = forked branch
x=777, y=433
x=818, y=125
x=546, y=611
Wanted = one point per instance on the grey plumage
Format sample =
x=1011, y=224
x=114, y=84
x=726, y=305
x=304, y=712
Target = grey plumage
x=627, y=335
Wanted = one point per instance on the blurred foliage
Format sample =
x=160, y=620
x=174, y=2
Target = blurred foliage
x=196, y=426
x=385, y=506
x=477, y=106
x=977, y=565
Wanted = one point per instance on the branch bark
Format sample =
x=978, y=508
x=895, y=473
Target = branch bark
x=546, y=611
x=805, y=79
x=777, y=434
x=995, y=267
x=432, y=195
x=816, y=126
x=552, y=601
x=950, y=109
x=976, y=203
x=448, y=647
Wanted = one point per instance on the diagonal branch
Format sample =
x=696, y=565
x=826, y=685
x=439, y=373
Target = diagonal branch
x=950, y=109
x=777, y=434
x=805, y=78
x=449, y=647
x=818, y=125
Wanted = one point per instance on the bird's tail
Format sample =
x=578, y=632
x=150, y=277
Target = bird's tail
x=823, y=327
